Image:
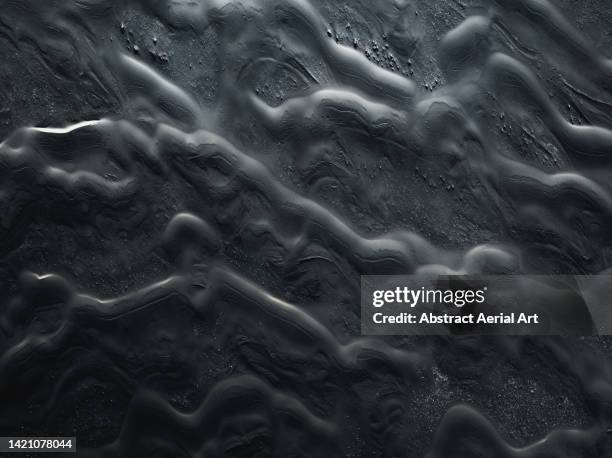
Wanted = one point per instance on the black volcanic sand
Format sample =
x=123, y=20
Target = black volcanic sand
x=191, y=189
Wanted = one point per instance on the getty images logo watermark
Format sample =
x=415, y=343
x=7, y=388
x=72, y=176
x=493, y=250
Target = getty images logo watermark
x=412, y=297
x=486, y=304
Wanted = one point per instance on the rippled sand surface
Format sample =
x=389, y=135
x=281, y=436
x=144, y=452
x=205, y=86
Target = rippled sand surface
x=191, y=189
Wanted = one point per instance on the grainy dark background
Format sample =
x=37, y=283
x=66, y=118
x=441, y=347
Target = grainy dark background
x=189, y=191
